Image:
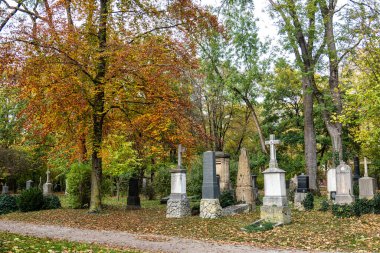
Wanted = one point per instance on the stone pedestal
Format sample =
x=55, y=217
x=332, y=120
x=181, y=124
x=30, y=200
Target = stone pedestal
x=209, y=206
x=367, y=187
x=178, y=205
x=276, y=214
x=298, y=198
x=210, y=209
x=133, y=200
x=5, y=190
x=47, y=189
x=344, y=187
x=331, y=184
x=222, y=163
x=244, y=192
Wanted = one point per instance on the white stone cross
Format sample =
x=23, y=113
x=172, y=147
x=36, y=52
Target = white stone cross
x=180, y=151
x=272, y=142
x=47, y=176
x=365, y=167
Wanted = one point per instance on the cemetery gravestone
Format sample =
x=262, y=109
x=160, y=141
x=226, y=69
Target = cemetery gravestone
x=367, y=185
x=222, y=161
x=344, y=186
x=210, y=205
x=244, y=191
x=29, y=184
x=5, y=189
x=47, y=187
x=301, y=192
x=178, y=204
x=275, y=204
x=331, y=183
x=133, y=200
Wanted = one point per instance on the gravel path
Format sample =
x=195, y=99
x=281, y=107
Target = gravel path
x=132, y=241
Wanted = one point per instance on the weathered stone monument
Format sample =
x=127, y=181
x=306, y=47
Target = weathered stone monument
x=133, y=200
x=47, y=187
x=178, y=204
x=344, y=186
x=4, y=189
x=275, y=203
x=367, y=185
x=222, y=161
x=29, y=184
x=331, y=183
x=210, y=205
x=244, y=192
x=301, y=191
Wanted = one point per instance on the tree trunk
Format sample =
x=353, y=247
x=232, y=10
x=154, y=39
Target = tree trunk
x=98, y=111
x=309, y=132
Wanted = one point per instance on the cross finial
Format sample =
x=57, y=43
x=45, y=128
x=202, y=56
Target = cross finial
x=48, y=176
x=180, y=151
x=365, y=167
x=272, y=142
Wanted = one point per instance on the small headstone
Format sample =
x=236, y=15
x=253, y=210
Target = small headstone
x=47, y=187
x=275, y=203
x=356, y=169
x=244, y=193
x=133, y=200
x=367, y=185
x=222, y=161
x=5, y=189
x=331, y=183
x=344, y=186
x=302, y=190
x=178, y=205
x=29, y=184
x=210, y=205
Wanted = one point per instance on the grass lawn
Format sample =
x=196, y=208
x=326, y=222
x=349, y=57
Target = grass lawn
x=19, y=243
x=313, y=230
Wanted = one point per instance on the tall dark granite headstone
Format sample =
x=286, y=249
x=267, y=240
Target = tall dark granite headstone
x=210, y=183
x=356, y=169
x=133, y=200
x=210, y=205
x=303, y=183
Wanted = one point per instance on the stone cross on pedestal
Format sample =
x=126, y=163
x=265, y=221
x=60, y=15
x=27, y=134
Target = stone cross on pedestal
x=178, y=205
x=367, y=185
x=272, y=142
x=180, y=151
x=47, y=188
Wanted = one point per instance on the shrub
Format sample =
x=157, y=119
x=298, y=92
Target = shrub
x=195, y=210
x=376, y=203
x=362, y=206
x=79, y=185
x=7, y=204
x=195, y=179
x=325, y=206
x=342, y=211
x=31, y=200
x=51, y=202
x=308, y=202
x=259, y=227
x=227, y=198
x=356, y=189
x=162, y=179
